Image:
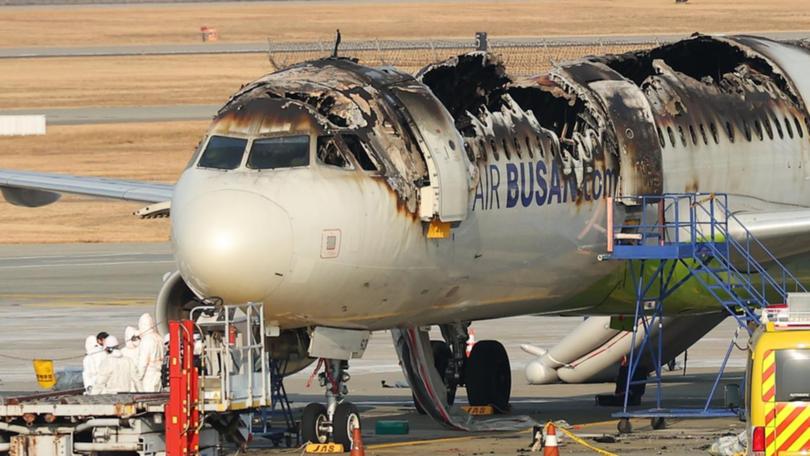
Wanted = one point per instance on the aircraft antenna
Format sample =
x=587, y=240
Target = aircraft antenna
x=337, y=44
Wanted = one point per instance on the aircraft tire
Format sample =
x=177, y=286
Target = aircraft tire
x=489, y=376
x=442, y=355
x=312, y=420
x=658, y=423
x=345, y=420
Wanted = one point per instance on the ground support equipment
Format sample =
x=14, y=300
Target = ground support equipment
x=277, y=422
x=689, y=233
x=219, y=376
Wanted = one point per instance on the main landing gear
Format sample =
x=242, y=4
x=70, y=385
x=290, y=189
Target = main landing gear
x=335, y=421
x=488, y=376
x=486, y=372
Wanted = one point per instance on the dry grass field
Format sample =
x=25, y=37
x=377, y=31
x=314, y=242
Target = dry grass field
x=158, y=151
x=315, y=20
x=147, y=151
x=120, y=81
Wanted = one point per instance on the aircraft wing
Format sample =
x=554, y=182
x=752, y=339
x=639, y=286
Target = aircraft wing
x=785, y=233
x=34, y=189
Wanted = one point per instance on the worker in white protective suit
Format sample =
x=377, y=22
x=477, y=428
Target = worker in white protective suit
x=90, y=363
x=131, y=342
x=116, y=373
x=150, y=354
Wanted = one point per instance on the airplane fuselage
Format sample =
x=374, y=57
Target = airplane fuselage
x=341, y=244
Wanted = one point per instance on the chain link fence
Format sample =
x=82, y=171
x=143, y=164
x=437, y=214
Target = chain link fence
x=522, y=57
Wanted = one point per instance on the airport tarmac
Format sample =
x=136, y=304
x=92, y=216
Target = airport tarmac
x=53, y=296
x=119, y=114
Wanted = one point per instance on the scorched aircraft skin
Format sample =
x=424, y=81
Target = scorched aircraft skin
x=522, y=181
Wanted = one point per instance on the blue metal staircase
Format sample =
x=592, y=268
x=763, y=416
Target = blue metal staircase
x=699, y=236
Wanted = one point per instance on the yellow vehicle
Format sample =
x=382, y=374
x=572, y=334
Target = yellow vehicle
x=778, y=383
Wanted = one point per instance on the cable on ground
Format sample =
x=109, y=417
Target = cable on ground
x=582, y=442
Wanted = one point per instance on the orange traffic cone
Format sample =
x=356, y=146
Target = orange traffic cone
x=470, y=341
x=550, y=448
x=357, y=443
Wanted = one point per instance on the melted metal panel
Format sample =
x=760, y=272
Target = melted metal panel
x=634, y=127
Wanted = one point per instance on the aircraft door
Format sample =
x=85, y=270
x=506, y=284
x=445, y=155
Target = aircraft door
x=450, y=173
x=630, y=114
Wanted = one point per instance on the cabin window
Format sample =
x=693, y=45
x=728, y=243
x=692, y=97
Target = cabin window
x=758, y=128
x=359, y=151
x=682, y=135
x=506, y=150
x=671, y=136
x=279, y=152
x=799, y=128
x=692, y=134
x=715, y=135
x=469, y=151
x=661, y=137
x=768, y=129
x=223, y=152
x=703, y=134
x=747, y=131
x=494, y=148
x=789, y=128
x=529, y=147
x=730, y=131
x=778, y=127
x=330, y=154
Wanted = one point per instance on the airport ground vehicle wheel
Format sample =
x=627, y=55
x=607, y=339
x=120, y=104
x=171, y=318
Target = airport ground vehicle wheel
x=624, y=426
x=489, y=376
x=441, y=358
x=313, y=424
x=346, y=419
x=658, y=423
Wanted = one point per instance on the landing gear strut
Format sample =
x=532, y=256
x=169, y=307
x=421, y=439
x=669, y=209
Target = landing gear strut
x=448, y=359
x=338, y=418
x=486, y=373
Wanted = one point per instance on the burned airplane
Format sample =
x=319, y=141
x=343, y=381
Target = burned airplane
x=351, y=199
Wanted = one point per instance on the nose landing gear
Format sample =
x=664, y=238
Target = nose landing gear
x=335, y=421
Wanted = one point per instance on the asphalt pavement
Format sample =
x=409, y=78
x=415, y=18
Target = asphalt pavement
x=118, y=114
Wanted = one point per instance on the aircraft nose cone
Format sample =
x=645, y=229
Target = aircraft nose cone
x=233, y=244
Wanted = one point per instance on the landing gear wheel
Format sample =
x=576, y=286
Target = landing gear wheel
x=624, y=426
x=441, y=359
x=345, y=420
x=658, y=423
x=313, y=420
x=489, y=376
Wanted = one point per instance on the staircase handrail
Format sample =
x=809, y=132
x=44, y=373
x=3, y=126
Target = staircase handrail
x=725, y=232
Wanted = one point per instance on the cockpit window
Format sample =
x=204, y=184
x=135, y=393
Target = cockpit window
x=223, y=152
x=281, y=152
x=330, y=154
x=359, y=151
